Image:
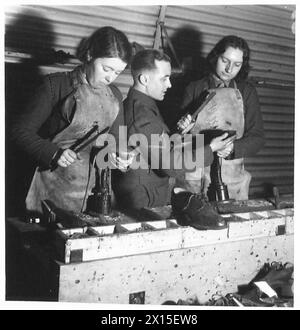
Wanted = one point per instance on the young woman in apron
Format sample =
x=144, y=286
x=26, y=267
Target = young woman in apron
x=234, y=107
x=67, y=107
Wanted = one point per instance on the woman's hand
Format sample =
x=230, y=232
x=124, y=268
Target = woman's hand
x=67, y=158
x=223, y=153
x=221, y=143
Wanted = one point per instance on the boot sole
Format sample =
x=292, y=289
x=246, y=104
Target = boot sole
x=189, y=222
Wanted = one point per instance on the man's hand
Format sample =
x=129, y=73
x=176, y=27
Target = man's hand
x=67, y=158
x=185, y=124
x=122, y=161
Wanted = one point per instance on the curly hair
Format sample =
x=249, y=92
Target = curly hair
x=220, y=48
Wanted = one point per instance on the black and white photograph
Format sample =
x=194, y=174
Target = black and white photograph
x=149, y=157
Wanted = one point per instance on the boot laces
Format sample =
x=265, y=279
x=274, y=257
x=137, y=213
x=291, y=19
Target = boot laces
x=202, y=198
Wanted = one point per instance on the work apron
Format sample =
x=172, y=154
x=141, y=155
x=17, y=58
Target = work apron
x=224, y=111
x=67, y=187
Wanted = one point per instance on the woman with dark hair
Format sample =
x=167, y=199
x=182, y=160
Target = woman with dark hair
x=67, y=107
x=221, y=47
x=234, y=107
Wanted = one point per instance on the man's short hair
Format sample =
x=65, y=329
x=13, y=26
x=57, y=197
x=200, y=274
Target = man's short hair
x=144, y=60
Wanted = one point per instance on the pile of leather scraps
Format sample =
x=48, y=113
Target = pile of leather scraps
x=190, y=301
x=271, y=287
x=239, y=206
x=253, y=299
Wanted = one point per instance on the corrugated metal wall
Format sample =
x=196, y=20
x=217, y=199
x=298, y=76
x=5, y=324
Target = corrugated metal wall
x=193, y=30
x=34, y=28
x=268, y=32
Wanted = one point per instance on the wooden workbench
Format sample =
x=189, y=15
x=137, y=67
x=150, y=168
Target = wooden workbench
x=153, y=266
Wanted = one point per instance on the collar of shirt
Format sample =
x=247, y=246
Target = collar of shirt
x=145, y=99
x=219, y=83
x=78, y=76
x=149, y=104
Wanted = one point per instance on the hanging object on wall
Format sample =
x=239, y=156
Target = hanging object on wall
x=161, y=35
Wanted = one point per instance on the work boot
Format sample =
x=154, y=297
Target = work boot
x=194, y=210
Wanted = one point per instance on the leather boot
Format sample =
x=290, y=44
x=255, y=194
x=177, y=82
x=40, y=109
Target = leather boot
x=194, y=210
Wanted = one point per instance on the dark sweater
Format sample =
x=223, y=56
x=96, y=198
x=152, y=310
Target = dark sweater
x=142, y=116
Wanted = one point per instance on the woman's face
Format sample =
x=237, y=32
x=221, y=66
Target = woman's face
x=104, y=70
x=229, y=63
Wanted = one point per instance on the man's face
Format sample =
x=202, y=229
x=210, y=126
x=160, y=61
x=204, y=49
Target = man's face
x=159, y=80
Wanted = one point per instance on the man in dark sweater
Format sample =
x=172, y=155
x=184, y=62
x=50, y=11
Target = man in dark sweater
x=151, y=187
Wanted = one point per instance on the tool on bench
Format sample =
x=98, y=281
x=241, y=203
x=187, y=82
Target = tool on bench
x=57, y=217
x=281, y=202
x=99, y=202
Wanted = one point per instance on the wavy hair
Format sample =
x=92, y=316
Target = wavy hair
x=220, y=48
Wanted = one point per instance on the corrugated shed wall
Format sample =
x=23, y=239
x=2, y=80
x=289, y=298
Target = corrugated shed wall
x=195, y=30
x=31, y=30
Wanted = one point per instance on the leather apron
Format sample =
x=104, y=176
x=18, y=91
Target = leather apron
x=66, y=187
x=224, y=111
